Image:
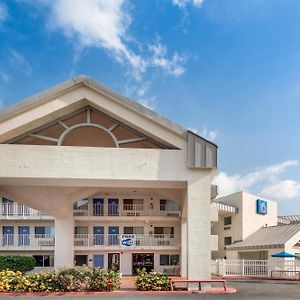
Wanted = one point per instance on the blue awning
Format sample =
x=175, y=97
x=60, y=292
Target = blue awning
x=283, y=254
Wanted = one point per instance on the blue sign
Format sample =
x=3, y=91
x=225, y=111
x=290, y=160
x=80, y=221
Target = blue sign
x=261, y=207
x=128, y=240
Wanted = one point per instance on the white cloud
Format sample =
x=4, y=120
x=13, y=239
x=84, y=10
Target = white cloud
x=3, y=13
x=4, y=76
x=18, y=61
x=210, y=135
x=183, y=3
x=252, y=181
x=173, y=66
x=285, y=189
x=105, y=24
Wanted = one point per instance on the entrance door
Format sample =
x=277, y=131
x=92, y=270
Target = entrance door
x=80, y=260
x=114, y=261
x=98, y=206
x=98, y=235
x=23, y=232
x=113, y=207
x=8, y=235
x=142, y=260
x=113, y=236
x=98, y=261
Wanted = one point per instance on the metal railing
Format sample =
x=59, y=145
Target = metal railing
x=20, y=211
x=253, y=268
x=38, y=241
x=27, y=240
x=16, y=210
x=125, y=210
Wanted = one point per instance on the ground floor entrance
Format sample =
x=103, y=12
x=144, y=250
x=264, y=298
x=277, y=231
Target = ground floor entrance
x=114, y=261
x=142, y=260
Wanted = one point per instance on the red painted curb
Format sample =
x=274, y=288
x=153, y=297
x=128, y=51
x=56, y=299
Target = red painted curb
x=214, y=291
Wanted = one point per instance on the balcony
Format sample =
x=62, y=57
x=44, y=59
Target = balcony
x=129, y=210
x=90, y=241
x=27, y=242
x=20, y=211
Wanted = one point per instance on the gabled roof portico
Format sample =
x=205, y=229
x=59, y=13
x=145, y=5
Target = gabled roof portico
x=63, y=145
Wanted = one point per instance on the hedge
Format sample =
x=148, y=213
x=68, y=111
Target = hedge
x=17, y=263
x=78, y=279
x=152, y=281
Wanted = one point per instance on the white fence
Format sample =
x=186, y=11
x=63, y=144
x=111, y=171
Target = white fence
x=254, y=268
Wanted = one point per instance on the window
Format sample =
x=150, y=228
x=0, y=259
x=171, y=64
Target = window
x=81, y=205
x=227, y=240
x=169, y=205
x=164, y=230
x=134, y=230
x=43, y=260
x=169, y=260
x=44, y=230
x=81, y=230
x=227, y=221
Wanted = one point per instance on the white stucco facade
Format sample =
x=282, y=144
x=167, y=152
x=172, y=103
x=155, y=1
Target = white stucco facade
x=135, y=170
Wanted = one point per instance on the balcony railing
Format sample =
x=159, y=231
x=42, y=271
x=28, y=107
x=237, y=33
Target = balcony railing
x=129, y=210
x=27, y=240
x=16, y=210
x=41, y=241
x=20, y=211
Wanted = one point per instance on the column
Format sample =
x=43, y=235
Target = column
x=199, y=229
x=183, y=256
x=64, y=241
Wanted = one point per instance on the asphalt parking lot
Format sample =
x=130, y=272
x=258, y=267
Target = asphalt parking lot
x=246, y=290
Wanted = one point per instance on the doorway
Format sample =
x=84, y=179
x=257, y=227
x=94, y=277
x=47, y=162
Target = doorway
x=142, y=260
x=80, y=260
x=114, y=261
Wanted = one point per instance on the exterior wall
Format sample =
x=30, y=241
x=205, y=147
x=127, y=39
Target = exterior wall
x=244, y=223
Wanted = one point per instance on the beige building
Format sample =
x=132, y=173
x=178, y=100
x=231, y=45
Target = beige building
x=109, y=183
x=249, y=228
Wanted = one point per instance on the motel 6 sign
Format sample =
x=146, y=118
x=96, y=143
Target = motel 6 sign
x=127, y=240
x=261, y=207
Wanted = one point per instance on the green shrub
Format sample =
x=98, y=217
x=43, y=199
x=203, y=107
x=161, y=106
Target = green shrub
x=152, y=281
x=76, y=279
x=17, y=263
x=105, y=280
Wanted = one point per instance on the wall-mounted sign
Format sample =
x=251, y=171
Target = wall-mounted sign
x=261, y=207
x=127, y=240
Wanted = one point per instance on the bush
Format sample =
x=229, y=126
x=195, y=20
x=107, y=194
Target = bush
x=152, y=281
x=79, y=279
x=17, y=263
x=105, y=280
x=76, y=279
x=43, y=282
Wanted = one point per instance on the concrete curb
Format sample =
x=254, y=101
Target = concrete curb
x=213, y=291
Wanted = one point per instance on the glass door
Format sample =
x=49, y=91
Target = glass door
x=114, y=261
x=23, y=233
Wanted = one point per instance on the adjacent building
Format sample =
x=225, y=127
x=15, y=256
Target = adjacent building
x=249, y=228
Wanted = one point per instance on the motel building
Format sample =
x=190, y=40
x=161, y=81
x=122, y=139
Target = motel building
x=91, y=177
x=249, y=228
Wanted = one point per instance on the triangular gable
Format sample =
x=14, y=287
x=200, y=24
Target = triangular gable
x=27, y=116
x=87, y=127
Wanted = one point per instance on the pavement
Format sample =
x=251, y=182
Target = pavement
x=246, y=290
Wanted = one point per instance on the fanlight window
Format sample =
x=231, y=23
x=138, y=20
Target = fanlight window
x=90, y=128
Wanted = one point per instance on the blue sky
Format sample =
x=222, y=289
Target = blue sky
x=228, y=69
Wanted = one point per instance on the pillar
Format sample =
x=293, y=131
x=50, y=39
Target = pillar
x=64, y=241
x=183, y=256
x=198, y=230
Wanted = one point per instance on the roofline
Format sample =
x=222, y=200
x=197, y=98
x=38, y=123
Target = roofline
x=36, y=99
